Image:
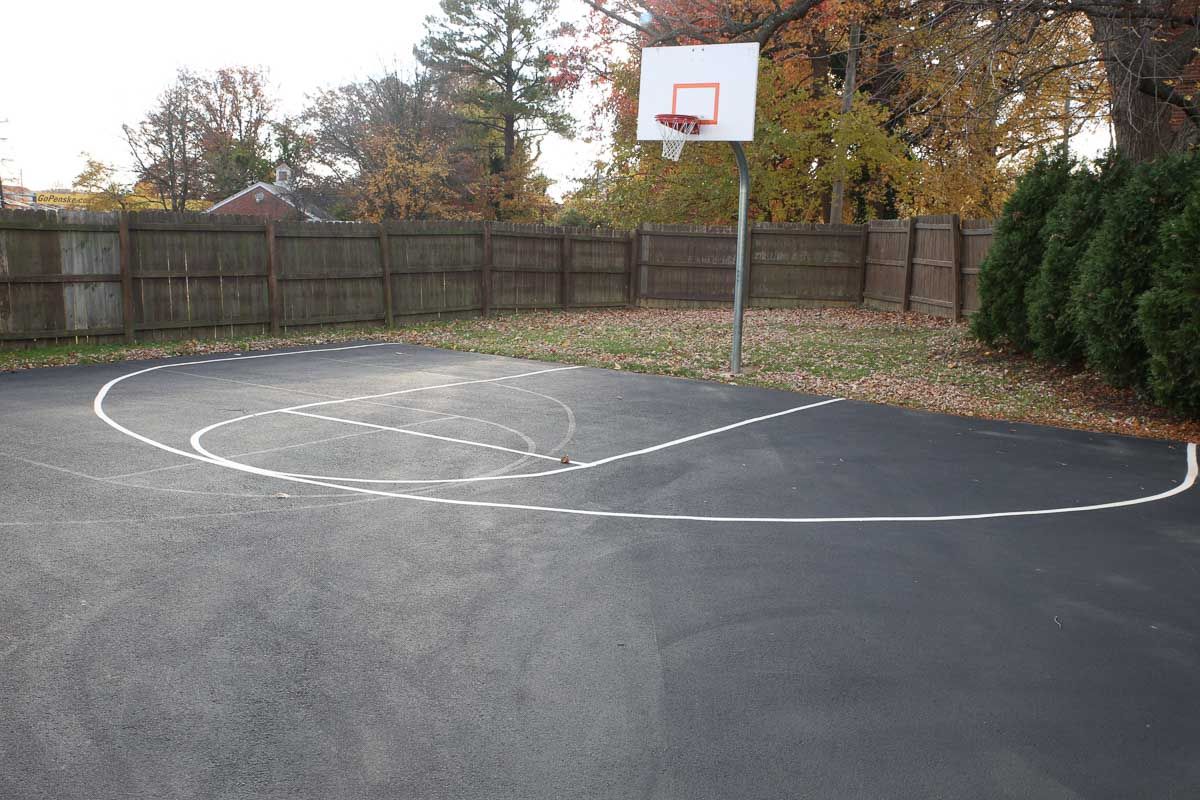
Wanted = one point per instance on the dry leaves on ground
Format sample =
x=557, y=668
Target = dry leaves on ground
x=910, y=360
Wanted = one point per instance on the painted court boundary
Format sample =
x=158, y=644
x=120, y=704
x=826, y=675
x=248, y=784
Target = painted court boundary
x=573, y=467
x=98, y=408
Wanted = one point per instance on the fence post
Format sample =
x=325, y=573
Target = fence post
x=956, y=243
x=862, y=262
x=125, y=261
x=385, y=264
x=274, y=303
x=909, y=245
x=635, y=272
x=565, y=290
x=485, y=272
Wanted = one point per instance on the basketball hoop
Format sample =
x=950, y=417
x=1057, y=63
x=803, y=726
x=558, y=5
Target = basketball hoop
x=708, y=89
x=675, y=130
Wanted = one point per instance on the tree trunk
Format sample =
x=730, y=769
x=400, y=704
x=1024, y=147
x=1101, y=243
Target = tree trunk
x=1140, y=58
x=882, y=84
x=819, y=59
x=838, y=192
x=510, y=140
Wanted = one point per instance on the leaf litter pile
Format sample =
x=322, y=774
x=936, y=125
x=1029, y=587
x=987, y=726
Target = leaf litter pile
x=908, y=360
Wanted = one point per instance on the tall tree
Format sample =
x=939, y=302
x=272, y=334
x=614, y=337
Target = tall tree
x=1145, y=47
x=293, y=146
x=102, y=182
x=794, y=161
x=849, y=86
x=1147, y=50
x=495, y=59
x=407, y=179
x=669, y=22
x=165, y=145
x=1125, y=59
x=235, y=127
x=362, y=134
x=971, y=89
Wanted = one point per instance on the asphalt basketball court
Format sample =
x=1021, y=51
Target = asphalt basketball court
x=366, y=571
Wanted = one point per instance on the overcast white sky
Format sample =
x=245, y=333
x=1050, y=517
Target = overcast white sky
x=75, y=71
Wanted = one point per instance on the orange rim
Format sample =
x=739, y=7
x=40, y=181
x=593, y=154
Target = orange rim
x=684, y=123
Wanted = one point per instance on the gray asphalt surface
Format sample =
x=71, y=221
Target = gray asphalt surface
x=173, y=628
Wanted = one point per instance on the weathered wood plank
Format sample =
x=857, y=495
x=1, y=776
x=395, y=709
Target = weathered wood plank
x=956, y=277
x=865, y=238
x=274, y=300
x=197, y=227
x=909, y=244
x=200, y=323
x=126, y=260
x=564, y=278
x=385, y=262
x=485, y=272
x=98, y=278
x=56, y=227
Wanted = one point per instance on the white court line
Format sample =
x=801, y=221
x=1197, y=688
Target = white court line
x=1189, y=481
x=98, y=401
x=442, y=416
x=429, y=435
x=326, y=440
x=98, y=409
x=172, y=489
x=287, y=390
x=561, y=447
x=573, y=467
x=196, y=437
x=406, y=391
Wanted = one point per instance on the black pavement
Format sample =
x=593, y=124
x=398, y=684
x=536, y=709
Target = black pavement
x=178, y=628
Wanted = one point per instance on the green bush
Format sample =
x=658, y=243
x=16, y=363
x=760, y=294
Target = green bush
x=1118, y=266
x=1065, y=236
x=1016, y=253
x=1168, y=315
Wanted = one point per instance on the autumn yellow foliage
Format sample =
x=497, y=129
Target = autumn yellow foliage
x=938, y=123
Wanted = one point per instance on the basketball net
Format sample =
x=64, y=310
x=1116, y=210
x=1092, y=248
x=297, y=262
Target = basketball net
x=675, y=130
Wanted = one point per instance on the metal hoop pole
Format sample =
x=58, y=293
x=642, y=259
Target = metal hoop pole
x=739, y=275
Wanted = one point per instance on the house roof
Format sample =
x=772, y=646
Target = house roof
x=310, y=211
x=16, y=196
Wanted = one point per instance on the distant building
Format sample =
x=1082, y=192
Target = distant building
x=17, y=197
x=278, y=200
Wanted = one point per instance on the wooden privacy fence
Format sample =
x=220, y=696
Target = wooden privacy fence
x=155, y=275
x=925, y=264
x=790, y=265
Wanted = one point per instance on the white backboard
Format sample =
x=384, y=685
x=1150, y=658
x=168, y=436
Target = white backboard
x=716, y=82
